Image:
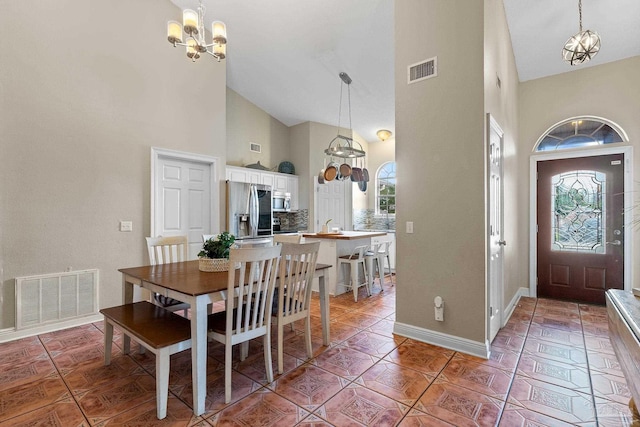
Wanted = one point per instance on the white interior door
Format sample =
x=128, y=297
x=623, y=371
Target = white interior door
x=496, y=240
x=183, y=200
x=333, y=201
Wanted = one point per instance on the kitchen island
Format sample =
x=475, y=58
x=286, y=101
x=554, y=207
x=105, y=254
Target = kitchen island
x=334, y=245
x=623, y=311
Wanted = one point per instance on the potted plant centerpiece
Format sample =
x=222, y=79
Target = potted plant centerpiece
x=214, y=255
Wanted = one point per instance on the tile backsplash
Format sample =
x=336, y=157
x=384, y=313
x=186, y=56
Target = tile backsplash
x=367, y=219
x=293, y=221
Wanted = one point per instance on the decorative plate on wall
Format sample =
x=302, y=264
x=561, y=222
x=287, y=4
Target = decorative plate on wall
x=286, y=167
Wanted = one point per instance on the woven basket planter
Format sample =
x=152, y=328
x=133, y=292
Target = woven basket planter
x=212, y=265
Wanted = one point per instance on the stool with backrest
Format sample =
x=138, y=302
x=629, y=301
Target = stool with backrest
x=165, y=250
x=371, y=259
x=248, y=313
x=354, y=261
x=383, y=254
x=293, y=295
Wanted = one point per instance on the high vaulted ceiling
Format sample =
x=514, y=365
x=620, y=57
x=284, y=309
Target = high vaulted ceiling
x=285, y=55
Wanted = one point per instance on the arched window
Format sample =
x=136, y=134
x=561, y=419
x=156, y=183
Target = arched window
x=386, y=188
x=580, y=132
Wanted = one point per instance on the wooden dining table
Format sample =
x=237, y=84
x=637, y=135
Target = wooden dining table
x=184, y=282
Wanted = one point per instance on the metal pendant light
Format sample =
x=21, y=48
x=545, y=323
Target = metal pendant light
x=582, y=46
x=344, y=146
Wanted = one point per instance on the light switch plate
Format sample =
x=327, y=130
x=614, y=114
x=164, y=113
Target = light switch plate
x=409, y=227
x=126, y=225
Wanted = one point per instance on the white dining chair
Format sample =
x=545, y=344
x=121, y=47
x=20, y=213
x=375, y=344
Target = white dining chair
x=248, y=314
x=293, y=294
x=354, y=261
x=165, y=250
x=287, y=238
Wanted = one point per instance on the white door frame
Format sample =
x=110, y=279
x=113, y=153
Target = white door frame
x=213, y=163
x=627, y=151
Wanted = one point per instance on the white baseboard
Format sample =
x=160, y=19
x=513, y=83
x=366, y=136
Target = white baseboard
x=508, y=310
x=7, y=335
x=474, y=348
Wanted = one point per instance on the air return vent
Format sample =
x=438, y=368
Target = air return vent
x=423, y=70
x=53, y=298
x=256, y=148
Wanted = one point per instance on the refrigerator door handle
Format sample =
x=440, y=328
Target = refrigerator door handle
x=253, y=215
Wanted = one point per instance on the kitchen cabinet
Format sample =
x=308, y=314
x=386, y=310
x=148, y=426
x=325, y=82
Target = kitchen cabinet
x=280, y=183
x=238, y=174
x=277, y=181
x=292, y=187
x=267, y=178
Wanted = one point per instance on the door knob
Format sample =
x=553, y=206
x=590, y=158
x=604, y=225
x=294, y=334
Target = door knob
x=502, y=242
x=615, y=243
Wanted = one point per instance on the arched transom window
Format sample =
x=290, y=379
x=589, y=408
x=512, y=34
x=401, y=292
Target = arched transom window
x=386, y=189
x=580, y=132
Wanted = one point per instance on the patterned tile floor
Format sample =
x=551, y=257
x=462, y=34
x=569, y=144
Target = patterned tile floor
x=551, y=365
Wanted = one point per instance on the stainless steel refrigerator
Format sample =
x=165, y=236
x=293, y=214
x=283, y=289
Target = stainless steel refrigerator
x=249, y=214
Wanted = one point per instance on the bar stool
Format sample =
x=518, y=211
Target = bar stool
x=354, y=261
x=372, y=262
x=382, y=254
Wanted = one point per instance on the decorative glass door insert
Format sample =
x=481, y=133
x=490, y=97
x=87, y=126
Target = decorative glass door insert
x=578, y=211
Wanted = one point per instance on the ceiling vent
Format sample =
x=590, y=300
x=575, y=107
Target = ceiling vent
x=423, y=70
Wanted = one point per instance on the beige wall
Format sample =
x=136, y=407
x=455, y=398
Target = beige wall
x=502, y=103
x=379, y=153
x=611, y=91
x=301, y=157
x=440, y=158
x=87, y=88
x=246, y=123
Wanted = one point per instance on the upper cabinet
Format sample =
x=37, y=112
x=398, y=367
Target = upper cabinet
x=237, y=174
x=278, y=181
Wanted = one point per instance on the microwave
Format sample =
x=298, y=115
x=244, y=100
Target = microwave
x=281, y=201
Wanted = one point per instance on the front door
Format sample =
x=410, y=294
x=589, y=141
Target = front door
x=580, y=227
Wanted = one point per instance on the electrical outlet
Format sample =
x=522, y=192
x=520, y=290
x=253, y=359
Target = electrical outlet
x=126, y=225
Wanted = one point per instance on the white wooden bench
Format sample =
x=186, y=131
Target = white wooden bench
x=158, y=330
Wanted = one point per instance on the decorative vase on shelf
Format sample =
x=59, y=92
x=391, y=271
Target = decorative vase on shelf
x=213, y=264
x=325, y=229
